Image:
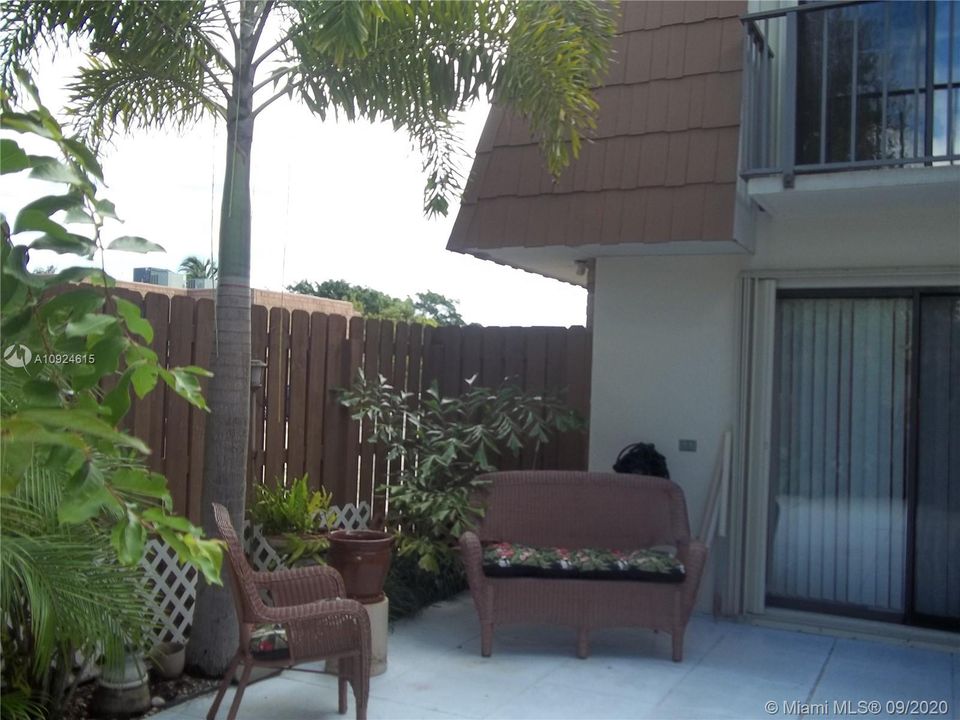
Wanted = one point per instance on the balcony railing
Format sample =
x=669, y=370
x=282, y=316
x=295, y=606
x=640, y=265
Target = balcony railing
x=851, y=85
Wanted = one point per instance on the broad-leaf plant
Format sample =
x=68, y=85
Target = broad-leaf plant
x=438, y=449
x=77, y=501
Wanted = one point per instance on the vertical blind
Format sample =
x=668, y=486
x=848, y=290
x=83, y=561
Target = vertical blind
x=838, y=521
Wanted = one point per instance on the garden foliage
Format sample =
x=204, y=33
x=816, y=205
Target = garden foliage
x=292, y=508
x=438, y=448
x=78, y=503
x=298, y=515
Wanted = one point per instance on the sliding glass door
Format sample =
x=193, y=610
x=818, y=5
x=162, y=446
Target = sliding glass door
x=936, y=581
x=864, y=515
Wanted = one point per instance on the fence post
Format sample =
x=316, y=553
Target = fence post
x=276, y=388
x=258, y=351
x=316, y=399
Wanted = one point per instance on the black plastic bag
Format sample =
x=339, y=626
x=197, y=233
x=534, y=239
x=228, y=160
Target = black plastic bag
x=641, y=459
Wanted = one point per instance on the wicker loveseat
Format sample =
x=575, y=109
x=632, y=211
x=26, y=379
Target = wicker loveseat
x=578, y=510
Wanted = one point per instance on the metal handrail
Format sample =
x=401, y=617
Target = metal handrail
x=806, y=7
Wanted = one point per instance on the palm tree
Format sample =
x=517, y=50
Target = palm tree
x=195, y=269
x=157, y=63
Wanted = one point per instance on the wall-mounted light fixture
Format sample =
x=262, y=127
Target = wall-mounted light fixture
x=257, y=367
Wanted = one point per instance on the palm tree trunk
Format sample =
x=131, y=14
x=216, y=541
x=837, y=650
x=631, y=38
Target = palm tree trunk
x=214, y=634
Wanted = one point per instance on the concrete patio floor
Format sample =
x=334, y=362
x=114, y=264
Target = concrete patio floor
x=730, y=670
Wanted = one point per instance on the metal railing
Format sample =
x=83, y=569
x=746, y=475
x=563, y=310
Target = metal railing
x=850, y=85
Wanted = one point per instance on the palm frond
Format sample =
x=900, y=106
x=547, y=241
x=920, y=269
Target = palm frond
x=27, y=26
x=440, y=146
x=415, y=63
x=416, y=60
x=77, y=595
x=18, y=705
x=558, y=51
x=62, y=586
x=108, y=94
x=195, y=267
x=151, y=63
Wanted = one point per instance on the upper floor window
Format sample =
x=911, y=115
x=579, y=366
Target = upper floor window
x=878, y=82
x=859, y=84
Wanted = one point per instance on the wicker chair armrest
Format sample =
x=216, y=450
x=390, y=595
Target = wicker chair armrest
x=319, y=609
x=693, y=555
x=472, y=554
x=298, y=586
x=323, y=628
x=691, y=552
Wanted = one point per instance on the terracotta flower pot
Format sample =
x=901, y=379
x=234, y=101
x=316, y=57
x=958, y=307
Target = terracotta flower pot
x=362, y=557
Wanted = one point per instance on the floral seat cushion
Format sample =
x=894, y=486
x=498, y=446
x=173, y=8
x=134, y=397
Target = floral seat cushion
x=269, y=642
x=506, y=559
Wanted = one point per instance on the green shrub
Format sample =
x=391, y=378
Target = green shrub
x=411, y=588
x=436, y=450
x=78, y=502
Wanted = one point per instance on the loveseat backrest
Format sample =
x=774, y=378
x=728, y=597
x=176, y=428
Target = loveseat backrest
x=570, y=509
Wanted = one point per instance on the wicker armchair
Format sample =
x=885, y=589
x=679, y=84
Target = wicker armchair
x=583, y=510
x=307, y=602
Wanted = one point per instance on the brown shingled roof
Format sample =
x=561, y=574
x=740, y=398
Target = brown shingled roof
x=661, y=165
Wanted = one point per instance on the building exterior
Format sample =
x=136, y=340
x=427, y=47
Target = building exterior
x=159, y=276
x=769, y=220
x=205, y=283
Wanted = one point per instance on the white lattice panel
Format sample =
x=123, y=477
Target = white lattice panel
x=174, y=588
x=174, y=585
x=260, y=553
x=351, y=517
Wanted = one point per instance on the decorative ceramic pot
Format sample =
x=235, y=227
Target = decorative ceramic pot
x=362, y=557
x=169, y=658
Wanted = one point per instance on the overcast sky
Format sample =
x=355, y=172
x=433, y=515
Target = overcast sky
x=330, y=200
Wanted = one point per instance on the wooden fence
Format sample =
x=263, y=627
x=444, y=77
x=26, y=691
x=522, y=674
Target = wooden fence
x=299, y=426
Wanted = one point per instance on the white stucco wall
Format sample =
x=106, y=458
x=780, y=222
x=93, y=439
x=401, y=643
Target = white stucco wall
x=877, y=237
x=666, y=337
x=664, y=352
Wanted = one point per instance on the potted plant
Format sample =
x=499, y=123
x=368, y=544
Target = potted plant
x=293, y=519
